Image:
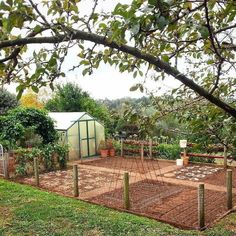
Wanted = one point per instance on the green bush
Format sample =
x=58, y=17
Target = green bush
x=168, y=151
x=49, y=157
x=16, y=126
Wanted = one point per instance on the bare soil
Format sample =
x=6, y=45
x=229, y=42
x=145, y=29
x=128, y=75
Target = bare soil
x=174, y=204
x=219, y=178
x=172, y=201
x=131, y=164
x=62, y=181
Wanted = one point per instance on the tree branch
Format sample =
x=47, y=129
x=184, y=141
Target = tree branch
x=161, y=65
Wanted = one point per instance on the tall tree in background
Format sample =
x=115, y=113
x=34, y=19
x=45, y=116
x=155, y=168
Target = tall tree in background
x=68, y=97
x=71, y=98
x=7, y=101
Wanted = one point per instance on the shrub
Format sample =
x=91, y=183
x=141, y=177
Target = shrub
x=168, y=151
x=7, y=101
x=17, y=124
x=49, y=157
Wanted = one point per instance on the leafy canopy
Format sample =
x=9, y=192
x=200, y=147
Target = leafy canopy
x=193, y=41
x=17, y=121
x=71, y=98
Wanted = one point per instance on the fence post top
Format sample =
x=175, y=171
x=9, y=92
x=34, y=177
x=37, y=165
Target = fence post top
x=201, y=185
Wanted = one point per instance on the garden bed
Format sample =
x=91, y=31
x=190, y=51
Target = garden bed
x=131, y=164
x=152, y=193
x=174, y=204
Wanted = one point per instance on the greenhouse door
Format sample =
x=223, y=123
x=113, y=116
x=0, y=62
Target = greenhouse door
x=87, y=138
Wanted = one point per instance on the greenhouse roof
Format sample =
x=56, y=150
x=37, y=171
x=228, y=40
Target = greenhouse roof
x=64, y=120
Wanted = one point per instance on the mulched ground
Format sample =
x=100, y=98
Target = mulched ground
x=62, y=181
x=130, y=164
x=169, y=202
x=175, y=204
x=219, y=178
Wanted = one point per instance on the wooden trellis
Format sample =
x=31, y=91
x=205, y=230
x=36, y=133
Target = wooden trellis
x=141, y=148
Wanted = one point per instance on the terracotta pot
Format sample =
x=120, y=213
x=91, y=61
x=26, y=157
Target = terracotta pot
x=185, y=161
x=112, y=152
x=104, y=152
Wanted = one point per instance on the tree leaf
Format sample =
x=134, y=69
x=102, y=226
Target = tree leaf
x=134, y=88
x=35, y=89
x=204, y=31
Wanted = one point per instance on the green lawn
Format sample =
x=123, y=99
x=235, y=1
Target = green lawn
x=25, y=210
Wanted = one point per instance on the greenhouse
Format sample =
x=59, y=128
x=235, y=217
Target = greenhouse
x=80, y=131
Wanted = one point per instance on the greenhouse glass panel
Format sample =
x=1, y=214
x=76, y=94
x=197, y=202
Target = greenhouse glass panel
x=83, y=130
x=99, y=133
x=73, y=141
x=91, y=131
x=84, y=148
x=92, y=147
x=86, y=117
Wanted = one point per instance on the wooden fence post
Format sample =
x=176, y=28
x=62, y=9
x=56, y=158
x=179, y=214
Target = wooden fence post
x=122, y=147
x=142, y=151
x=150, y=148
x=126, y=191
x=76, y=180
x=201, y=207
x=36, y=171
x=185, y=152
x=225, y=154
x=5, y=162
x=229, y=189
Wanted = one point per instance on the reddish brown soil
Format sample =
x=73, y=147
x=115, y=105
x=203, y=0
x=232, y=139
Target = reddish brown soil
x=219, y=178
x=174, y=204
x=169, y=202
x=62, y=181
x=130, y=164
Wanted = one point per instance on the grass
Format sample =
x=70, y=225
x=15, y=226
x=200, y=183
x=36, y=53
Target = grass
x=25, y=210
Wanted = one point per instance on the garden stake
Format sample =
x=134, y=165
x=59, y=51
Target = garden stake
x=126, y=191
x=229, y=189
x=150, y=148
x=36, y=171
x=122, y=148
x=75, y=179
x=201, y=207
x=142, y=151
x=225, y=155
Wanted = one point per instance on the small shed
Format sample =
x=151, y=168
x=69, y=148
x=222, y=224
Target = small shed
x=80, y=131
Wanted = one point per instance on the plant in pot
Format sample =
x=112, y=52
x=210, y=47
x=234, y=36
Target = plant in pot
x=111, y=148
x=102, y=148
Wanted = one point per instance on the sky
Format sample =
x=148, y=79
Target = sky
x=107, y=81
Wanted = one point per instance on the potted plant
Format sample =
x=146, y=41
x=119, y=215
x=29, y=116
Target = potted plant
x=102, y=148
x=111, y=148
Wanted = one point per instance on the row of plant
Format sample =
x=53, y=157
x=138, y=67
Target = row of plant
x=50, y=157
x=139, y=142
x=27, y=133
x=164, y=151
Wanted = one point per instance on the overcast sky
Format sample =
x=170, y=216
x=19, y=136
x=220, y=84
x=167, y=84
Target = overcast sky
x=107, y=81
